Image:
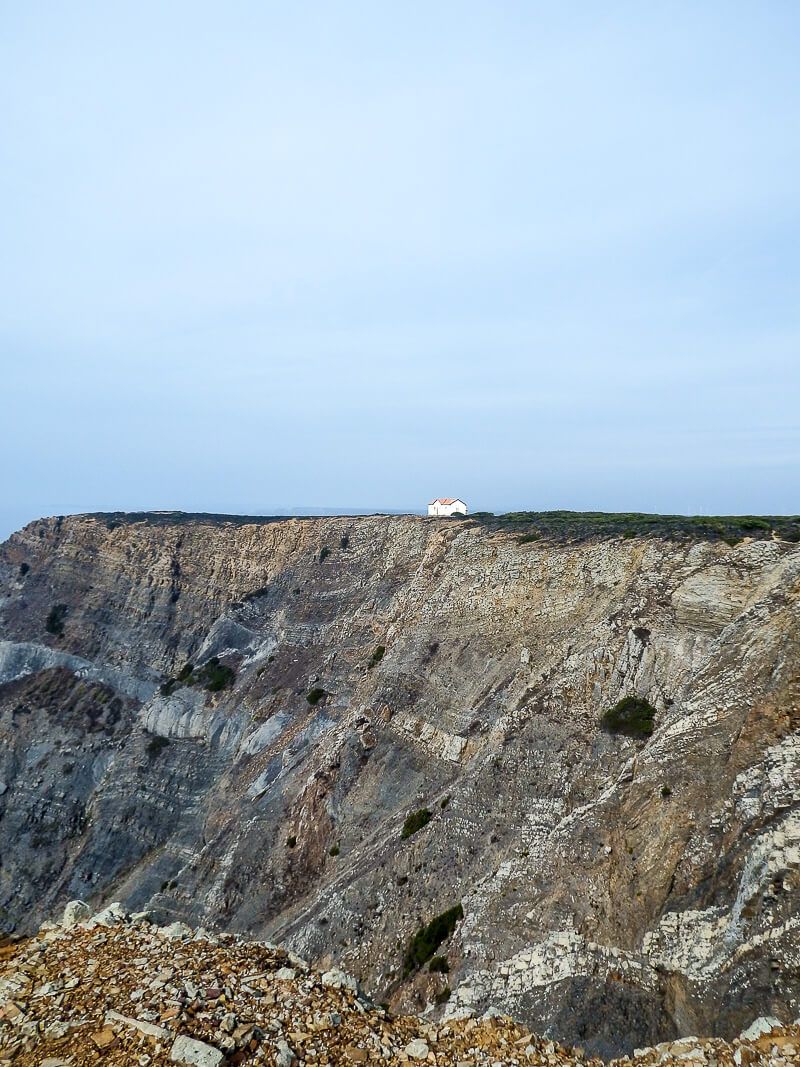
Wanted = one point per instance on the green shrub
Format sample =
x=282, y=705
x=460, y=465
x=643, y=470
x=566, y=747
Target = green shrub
x=156, y=745
x=377, y=656
x=345, y=541
x=55, y=620
x=444, y=803
x=313, y=696
x=324, y=552
x=439, y=964
x=666, y=791
x=632, y=716
x=334, y=851
x=256, y=594
x=427, y=939
x=415, y=821
x=24, y=568
x=291, y=840
x=444, y=996
x=214, y=676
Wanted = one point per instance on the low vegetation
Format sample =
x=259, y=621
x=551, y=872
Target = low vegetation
x=212, y=676
x=377, y=656
x=256, y=594
x=632, y=716
x=428, y=938
x=576, y=526
x=155, y=746
x=439, y=964
x=313, y=696
x=55, y=620
x=415, y=821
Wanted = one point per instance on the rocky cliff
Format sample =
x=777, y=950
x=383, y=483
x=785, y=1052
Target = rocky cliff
x=230, y=723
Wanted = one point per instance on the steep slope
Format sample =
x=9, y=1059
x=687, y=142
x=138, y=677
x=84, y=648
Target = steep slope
x=615, y=891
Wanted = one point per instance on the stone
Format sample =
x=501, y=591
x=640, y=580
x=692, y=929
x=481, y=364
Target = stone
x=339, y=980
x=195, y=1053
x=417, y=1049
x=762, y=1025
x=109, y=916
x=176, y=931
x=75, y=912
x=104, y=1039
x=147, y=1028
x=286, y=974
x=285, y=1056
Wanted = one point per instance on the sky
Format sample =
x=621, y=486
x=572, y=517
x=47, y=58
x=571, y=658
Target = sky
x=263, y=256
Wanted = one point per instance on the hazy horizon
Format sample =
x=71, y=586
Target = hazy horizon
x=537, y=256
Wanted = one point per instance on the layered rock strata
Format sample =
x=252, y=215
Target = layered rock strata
x=616, y=892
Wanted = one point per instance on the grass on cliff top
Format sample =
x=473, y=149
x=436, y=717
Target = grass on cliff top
x=530, y=526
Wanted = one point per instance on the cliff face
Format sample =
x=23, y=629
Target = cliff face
x=615, y=891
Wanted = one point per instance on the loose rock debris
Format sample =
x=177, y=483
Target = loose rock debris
x=118, y=991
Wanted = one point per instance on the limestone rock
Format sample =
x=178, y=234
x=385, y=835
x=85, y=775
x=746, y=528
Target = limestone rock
x=339, y=980
x=176, y=931
x=75, y=912
x=417, y=1049
x=763, y=1025
x=195, y=1053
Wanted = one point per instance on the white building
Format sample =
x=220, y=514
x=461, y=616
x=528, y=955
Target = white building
x=445, y=505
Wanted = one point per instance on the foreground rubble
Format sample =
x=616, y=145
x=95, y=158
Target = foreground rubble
x=116, y=990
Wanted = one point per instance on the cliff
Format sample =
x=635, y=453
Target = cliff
x=230, y=722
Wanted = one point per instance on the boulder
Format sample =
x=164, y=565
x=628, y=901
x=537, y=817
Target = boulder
x=75, y=912
x=109, y=916
x=339, y=980
x=176, y=931
x=762, y=1025
x=195, y=1053
x=417, y=1049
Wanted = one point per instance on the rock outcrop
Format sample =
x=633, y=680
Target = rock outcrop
x=196, y=719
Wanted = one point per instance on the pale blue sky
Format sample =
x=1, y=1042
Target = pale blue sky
x=264, y=255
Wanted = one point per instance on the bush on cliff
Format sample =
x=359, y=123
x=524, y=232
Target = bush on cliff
x=55, y=620
x=428, y=938
x=415, y=821
x=212, y=676
x=377, y=656
x=631, y=716
x=156, y=745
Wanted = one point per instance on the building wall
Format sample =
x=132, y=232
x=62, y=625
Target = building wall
x=447, y=509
